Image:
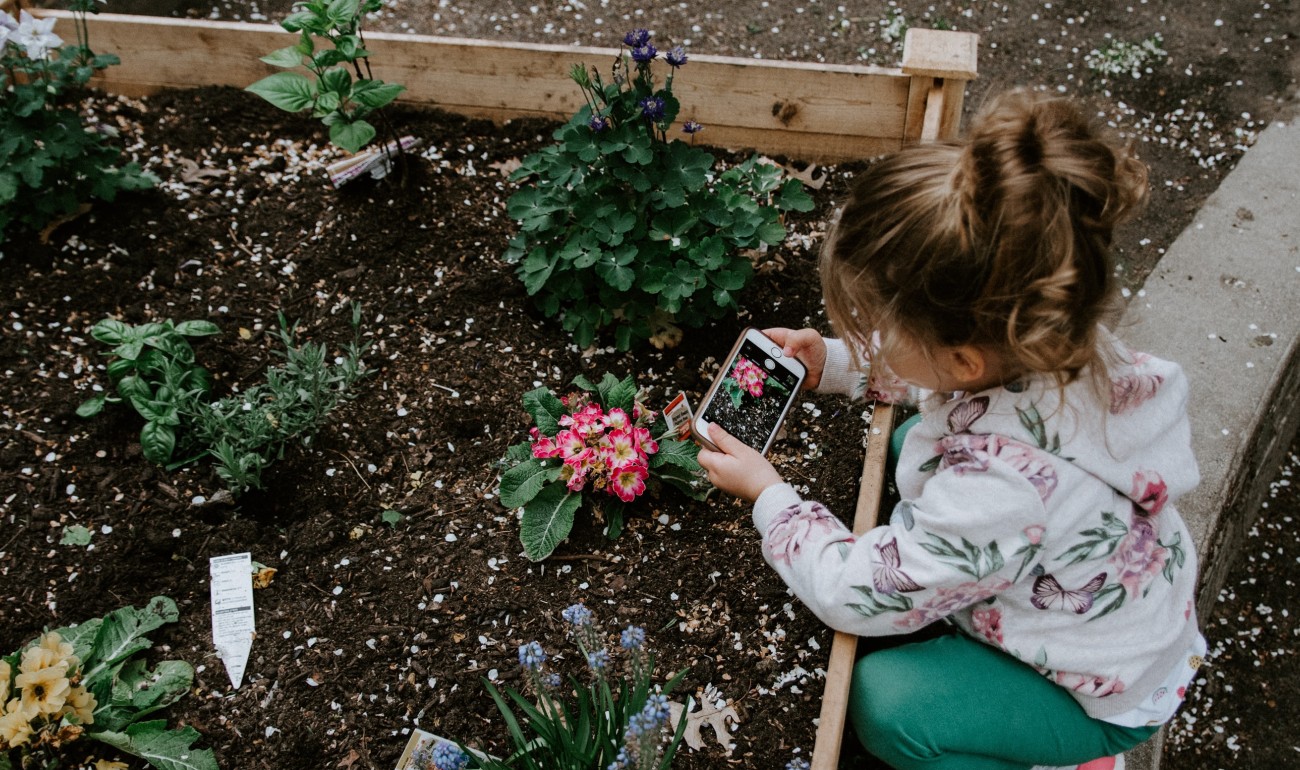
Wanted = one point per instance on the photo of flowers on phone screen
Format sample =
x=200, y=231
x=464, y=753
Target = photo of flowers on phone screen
x=752, y=396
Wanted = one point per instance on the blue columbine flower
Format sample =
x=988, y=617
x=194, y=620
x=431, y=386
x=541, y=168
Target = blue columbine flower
x=448, y=756
x=577, y=614
x=644, y=53
x=598, y=123
x=676, y=57
x=691, y=127
x=531, y=656
x=652, y=107
x=636, y=38
x=632, y=638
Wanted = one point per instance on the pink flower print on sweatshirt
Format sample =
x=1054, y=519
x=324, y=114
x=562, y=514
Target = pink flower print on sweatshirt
x=987, y=622
x=794, y=525
x=1089, y=684
x=970, y=453
x=1132, y=390
x=1149, y=491
x=950, y=599
x=1138, y=557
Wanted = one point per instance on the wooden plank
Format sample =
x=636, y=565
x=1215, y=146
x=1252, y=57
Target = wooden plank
x=839, y=669
x=816, y=112
x=940, y=53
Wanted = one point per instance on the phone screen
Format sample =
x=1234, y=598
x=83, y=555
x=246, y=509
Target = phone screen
x=752, y=396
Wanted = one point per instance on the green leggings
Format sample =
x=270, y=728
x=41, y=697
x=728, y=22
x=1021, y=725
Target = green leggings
x=953, y=703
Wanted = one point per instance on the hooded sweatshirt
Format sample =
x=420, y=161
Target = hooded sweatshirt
x=1044, y=528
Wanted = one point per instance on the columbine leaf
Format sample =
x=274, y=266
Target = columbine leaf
x=284, y=57
x=520, y=484
x=164, y=749
x=352, y=136
x=547, y=520
x=290, y=91
x=546, y=410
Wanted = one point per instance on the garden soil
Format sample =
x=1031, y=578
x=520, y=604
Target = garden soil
x=372, y=627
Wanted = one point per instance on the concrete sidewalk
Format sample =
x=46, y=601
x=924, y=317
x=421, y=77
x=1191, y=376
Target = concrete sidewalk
x=1225, y=303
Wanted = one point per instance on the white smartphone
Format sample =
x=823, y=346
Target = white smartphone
x=752, y=393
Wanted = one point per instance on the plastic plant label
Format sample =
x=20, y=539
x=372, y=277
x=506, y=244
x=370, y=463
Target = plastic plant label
x=232, y=611
x=677, y=416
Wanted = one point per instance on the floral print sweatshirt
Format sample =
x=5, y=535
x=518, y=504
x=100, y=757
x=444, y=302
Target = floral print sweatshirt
x=1042, y=528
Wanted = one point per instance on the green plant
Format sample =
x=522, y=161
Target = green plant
x=50, y=161
x=597, y=439
x=622, y=725
x=1119, y=57
x=342, y=99
x=153, y=368
x=88, y=681
x=620, y=227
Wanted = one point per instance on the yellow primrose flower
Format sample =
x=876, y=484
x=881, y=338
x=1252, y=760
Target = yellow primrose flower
x=44, y=691
x=6, y=677
x=60, y=649
x=15, y=727
x=80, y=705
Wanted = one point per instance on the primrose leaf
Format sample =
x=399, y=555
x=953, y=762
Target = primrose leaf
x=520, y=484
x=546, y=410
x=547, y=520
x=162, y=748
x=121, y=634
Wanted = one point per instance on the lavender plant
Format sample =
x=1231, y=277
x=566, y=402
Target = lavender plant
x=622, y=228
x=618, y=722
x=342, y=91
x=154, y=369
x=51, y=161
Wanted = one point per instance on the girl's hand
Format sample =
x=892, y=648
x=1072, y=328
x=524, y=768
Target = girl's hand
x=807, y=346
x=737, y=469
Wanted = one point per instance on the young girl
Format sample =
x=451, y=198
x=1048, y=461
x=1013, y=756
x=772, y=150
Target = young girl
x=1037, y=486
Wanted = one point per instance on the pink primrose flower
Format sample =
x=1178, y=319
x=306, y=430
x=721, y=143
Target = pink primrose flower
x=1138, y=557
x=575, y=469
x=644, y=441
x=793, y=526
x=749, y=376
x=544, y=447
x=620, y=448
x=586, y=421
x=616, y=419
x=570, y=443
x=1149, y=491
x=628, y=481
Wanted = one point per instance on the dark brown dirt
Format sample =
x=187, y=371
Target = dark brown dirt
x=355, y=648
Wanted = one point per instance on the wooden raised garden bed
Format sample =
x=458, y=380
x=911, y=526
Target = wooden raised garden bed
x=811, y=112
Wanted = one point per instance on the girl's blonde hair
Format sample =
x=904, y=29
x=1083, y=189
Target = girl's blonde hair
x=1001, y=240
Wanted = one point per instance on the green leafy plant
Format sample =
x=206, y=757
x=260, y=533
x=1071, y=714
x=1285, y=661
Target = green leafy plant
x=620, y=227
x=1119, y=57
x=153, y=368
x=51, y=162
x=597, y=441
x=615, y=724
x=89, y=681
x=341, y=91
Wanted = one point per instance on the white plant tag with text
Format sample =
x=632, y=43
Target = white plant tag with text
x=232, y=611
